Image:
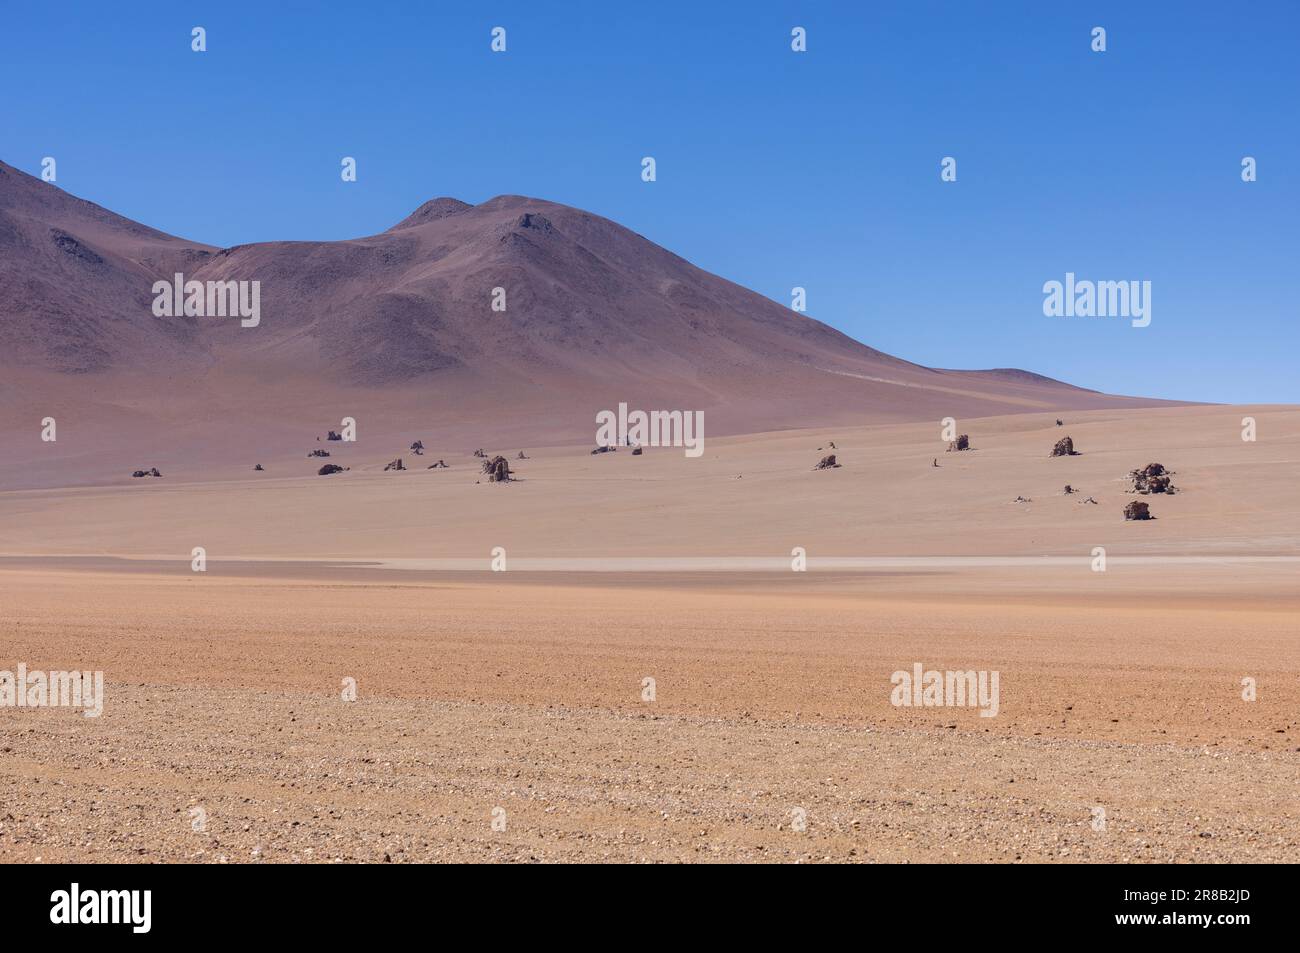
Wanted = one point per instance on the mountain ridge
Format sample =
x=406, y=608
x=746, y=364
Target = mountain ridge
x=514, y=295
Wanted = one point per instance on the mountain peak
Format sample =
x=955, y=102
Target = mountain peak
x=432, y=211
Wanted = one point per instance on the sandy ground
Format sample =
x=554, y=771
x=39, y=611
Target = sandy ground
x=771, y=735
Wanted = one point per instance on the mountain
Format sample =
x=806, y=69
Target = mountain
x=401, y=325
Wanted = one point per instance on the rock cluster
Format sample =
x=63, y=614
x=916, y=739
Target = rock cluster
x=1152, y=478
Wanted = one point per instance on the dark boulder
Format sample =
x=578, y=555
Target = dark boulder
x=961, y=443
x=497, y=470
x=330, y=468
x=827, y=463
x=319, y=453
x=1137, y=510
x=1064, y=448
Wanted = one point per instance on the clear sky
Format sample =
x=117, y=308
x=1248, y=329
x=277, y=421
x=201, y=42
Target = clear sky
x=775, y=168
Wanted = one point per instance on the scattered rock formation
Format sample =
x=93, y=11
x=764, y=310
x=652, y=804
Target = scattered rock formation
x=395, y=465
x=1064, y=448
x=1137, y=510
x=961, y=443
x=330, y=468
x=152, y=472
x=319, y=453
x=1152, y=478
x=827, y=463
x=497, y=470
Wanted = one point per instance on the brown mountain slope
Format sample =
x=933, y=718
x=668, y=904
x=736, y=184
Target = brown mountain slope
x=399, y=327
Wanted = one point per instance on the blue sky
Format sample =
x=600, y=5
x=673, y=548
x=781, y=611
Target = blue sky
x=775, y=169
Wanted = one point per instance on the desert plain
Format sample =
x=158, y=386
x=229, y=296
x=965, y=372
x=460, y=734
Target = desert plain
x=504, y=715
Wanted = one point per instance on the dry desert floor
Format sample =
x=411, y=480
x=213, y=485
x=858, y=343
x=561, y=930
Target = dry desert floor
x=505, y=715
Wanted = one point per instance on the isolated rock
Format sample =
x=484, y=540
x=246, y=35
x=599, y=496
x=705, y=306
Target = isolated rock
x=147, y=473
x=259, y=467
x=497, y=470
x=437, y=466
x=333, y=436
x=636, y=451
x=1137, y=510
x=1064, y=448
x=479, y=452
x=395, y=465
x=1088, y=500
x=330, y=468
x=604, y=449
x=1068, y=489
x=1060, y=422
x=961, y=443
x=1022, y=499
x=319, y=453
x=827, y=463
x=417, y=447
x=522, y=456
